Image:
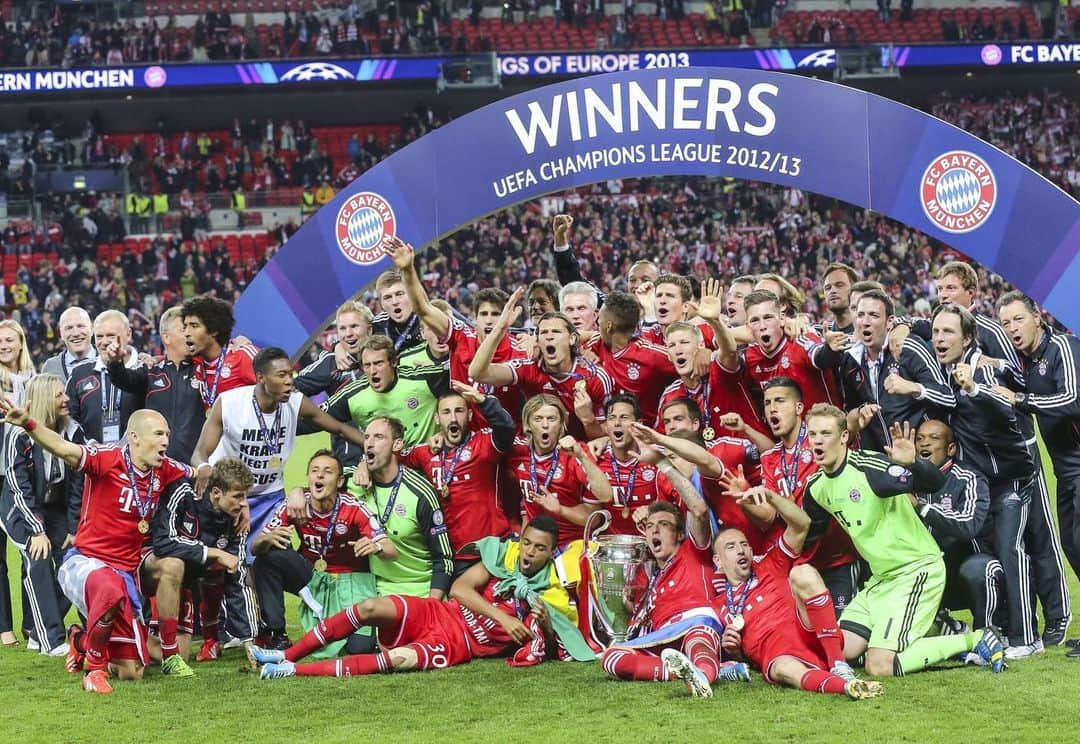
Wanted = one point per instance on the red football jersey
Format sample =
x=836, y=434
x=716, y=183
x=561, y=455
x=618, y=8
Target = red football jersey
x=654, y=334
x=486, y=636
x=564, y=477
x=641, y=369
x=685, y=583
x=469, y=475
x=727, y=393
x=464, y=343
x=532, y=379
x=633, y=484
x=236, y=371
x=109, y=523
x=352, y=521
x=791, y=359
x=795, y=466
x=769, y=607
x=734, y=452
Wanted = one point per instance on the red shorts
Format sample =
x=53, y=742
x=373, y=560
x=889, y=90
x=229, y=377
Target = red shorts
x=185, y=620
x=791, y=640
x=94, y=587
x=432, y=628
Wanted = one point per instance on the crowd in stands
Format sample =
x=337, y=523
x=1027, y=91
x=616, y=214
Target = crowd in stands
x=693, y=225
x=363, y=27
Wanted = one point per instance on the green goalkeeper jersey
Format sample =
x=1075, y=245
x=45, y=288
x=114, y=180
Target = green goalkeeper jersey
x=869, y=497
x=412, y=400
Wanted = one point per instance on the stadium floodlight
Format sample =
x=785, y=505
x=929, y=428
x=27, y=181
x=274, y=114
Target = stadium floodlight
x=470, y=72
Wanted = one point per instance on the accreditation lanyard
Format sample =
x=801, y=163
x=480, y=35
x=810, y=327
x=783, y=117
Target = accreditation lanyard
x=111, y=397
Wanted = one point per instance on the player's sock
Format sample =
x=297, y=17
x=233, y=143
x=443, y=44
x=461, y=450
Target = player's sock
x=822, y=616
x=932, y=649
x=210, y=598
x=96, y=641
x=703, y=649
x=167, y=636
x=334, y=628
x=634, y=665
x=349, y=666
x=818, y=680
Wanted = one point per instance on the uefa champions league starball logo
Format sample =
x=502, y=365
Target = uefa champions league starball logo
x=316, y=71
x=958, y=191
x=365, y=226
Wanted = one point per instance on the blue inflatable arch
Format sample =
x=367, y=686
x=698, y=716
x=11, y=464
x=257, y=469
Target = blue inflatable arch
x=764, y=126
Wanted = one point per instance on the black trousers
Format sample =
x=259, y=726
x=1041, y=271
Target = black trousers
x=975, y=582
x=44, y=605
x=1044, y=547
x=284, y=570
x=1010, y=504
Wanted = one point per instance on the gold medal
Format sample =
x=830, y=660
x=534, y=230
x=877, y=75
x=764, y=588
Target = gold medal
x=709, y=433
x=144, y=527
x=275, y=463
x=444, y=491
x=737, y=623
x=320, y=565
x=626, y=512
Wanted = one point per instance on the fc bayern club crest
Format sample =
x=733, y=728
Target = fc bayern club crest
x=1042, y=367
x=365, y=225
x=633, y=372
x=958, y=191
x=855, y=495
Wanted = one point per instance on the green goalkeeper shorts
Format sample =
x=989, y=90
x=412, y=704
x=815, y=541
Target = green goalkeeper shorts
x=894, y=611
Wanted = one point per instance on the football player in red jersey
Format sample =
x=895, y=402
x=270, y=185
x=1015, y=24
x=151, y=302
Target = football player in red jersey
x=785, y=468
x=123, y=485
x=716, y=393
x=559, y=370
x=773, y=354
x=465, y=466
x=676, y=616
x=635, y=365
x=555, y=474
x=208, y=324
x=761, y=617
x=486, y=616
x=672, y=299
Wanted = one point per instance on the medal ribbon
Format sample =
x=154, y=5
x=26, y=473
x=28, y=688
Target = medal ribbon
x=393, y=499
x=330, y=529
x=792, y=477
x=736, y=607
x=445, y=475
x=141, y=505
x=209, y=394
x=534, y=477
x=631, y=479
x=270, y=440
x=403, y=337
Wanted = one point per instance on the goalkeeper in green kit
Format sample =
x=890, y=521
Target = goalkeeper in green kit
x=867, y=493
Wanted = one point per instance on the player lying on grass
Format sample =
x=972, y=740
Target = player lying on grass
x=504, y=603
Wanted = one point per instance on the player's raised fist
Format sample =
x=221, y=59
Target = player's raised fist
x=560, y=226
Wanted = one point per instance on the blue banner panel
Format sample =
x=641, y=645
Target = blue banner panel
x=763, y=126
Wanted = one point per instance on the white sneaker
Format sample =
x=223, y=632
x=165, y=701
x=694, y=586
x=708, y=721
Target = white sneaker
x=678, y=665
x=60, y=650
x=1023, y=652
x=32, y=644
x=235, y=643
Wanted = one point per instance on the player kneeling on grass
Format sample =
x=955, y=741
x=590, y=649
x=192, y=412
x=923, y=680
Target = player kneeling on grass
x=762, y=617
x=487, y=616
x=192, y=535
x=869, y=495
x=330, y=572
x=676, y=616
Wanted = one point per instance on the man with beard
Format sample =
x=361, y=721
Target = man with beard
x=581, y=386
x=837, y=281
x=465, y=466
x=555, y=474
x=384, y=390
x=541, y=297
x=508, y=600
x=408, y=509
x=208, y=324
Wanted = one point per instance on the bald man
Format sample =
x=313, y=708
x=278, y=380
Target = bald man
x=123, y=484
x=75, y=334
x=100, y=407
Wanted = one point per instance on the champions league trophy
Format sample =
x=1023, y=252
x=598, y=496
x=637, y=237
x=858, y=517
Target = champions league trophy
x=620, y=576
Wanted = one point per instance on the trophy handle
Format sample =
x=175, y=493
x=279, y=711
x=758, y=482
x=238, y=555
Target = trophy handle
x=605, y=517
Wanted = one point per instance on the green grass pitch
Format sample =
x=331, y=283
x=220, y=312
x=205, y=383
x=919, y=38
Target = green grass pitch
x=486, y=701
